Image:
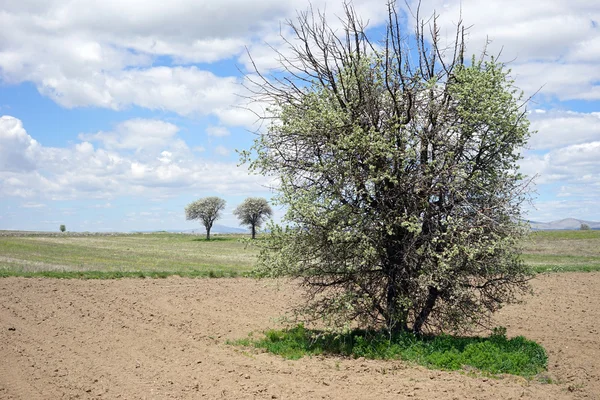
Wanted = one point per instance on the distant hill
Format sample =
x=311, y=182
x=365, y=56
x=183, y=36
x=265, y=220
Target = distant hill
x=567, y=223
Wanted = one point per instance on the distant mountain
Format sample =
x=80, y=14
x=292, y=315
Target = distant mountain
x=567, y=223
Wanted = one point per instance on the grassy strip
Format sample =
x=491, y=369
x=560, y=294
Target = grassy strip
x=567, y=234
x=565, y=268
x=562, y=251
x=495, y=354
x=151, y=254
x=119, y=274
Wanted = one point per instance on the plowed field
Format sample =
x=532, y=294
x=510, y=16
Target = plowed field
x=166, y=339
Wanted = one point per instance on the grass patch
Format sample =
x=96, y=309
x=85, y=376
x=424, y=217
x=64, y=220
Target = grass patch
x=4, y=273
x=108, y=256
x=563, y=251
x=567, y=235
x=216, y=239
x=540, y=269
x=130, y=255
x=495, y=354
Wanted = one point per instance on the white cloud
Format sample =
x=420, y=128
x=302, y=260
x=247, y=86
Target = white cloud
x=244, y=113
x=576, y=165
x=125, y=54
x=136, y=134
x=221, y=151
x=19, y=151
x=105, y=54
x=33, y=205
x=564, y=81
x=586, y=50
x=217, y=131
x=522, y=30
x=546, y=211
x=82, y=171
x=552, y=46
x=184, y=90
x=561, y=128
x=565, y=156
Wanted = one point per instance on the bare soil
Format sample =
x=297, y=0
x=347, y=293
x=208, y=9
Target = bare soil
x=166, y=339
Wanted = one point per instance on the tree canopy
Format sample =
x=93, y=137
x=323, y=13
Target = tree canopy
x=397, y=164
x=207, y=210
x=253, y=212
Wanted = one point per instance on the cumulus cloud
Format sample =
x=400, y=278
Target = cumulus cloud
x=157, y=55
x=546, y=211
x=82, y=170
x=185, y=90
x=521, y=30
x=570, y=175
x=552, y=47
x=105, y=54
x=138, y=134
x=574, y=166
x=558, y=128
x=563, y=81
x=19, y=151
x=221, y=151
x=217, y=131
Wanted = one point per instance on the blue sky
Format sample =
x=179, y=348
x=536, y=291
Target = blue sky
x=114, y=115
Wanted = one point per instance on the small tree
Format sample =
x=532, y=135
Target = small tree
x=584, y=227
x=398, y=166
x=207, y=210
x=63, y=228
x=253, y=212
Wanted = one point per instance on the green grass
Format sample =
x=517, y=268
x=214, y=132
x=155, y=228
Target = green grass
x=495, y=354
x=563, y=251
x=5, y=273
x=118, y=256
x=163, y=254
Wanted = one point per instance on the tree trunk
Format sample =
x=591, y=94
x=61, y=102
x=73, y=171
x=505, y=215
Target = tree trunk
x=424, y=314
x=208, y=232
x=395, y=318
x=253, y=231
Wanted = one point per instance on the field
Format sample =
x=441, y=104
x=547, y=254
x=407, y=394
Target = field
x=561, y=251
x=168, y=338
x=164, y=254
x=109, y=256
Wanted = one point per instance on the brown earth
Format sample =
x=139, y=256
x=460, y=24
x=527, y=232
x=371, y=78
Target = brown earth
x=165, y=339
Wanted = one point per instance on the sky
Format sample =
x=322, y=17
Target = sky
x=116, y=114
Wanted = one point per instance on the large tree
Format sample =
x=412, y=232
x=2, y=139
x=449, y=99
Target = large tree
x=397, y=163
x=253, y=212
x=207, y=210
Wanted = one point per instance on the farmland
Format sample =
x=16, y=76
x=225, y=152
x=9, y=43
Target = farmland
x=170, y=338
x=562, y=251
x=164, y=254
x=125, y=255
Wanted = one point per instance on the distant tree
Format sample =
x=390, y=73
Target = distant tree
x=63, y=228
x=206, y=210
x=584, y=227
x=253, y=212
x=397, y=162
